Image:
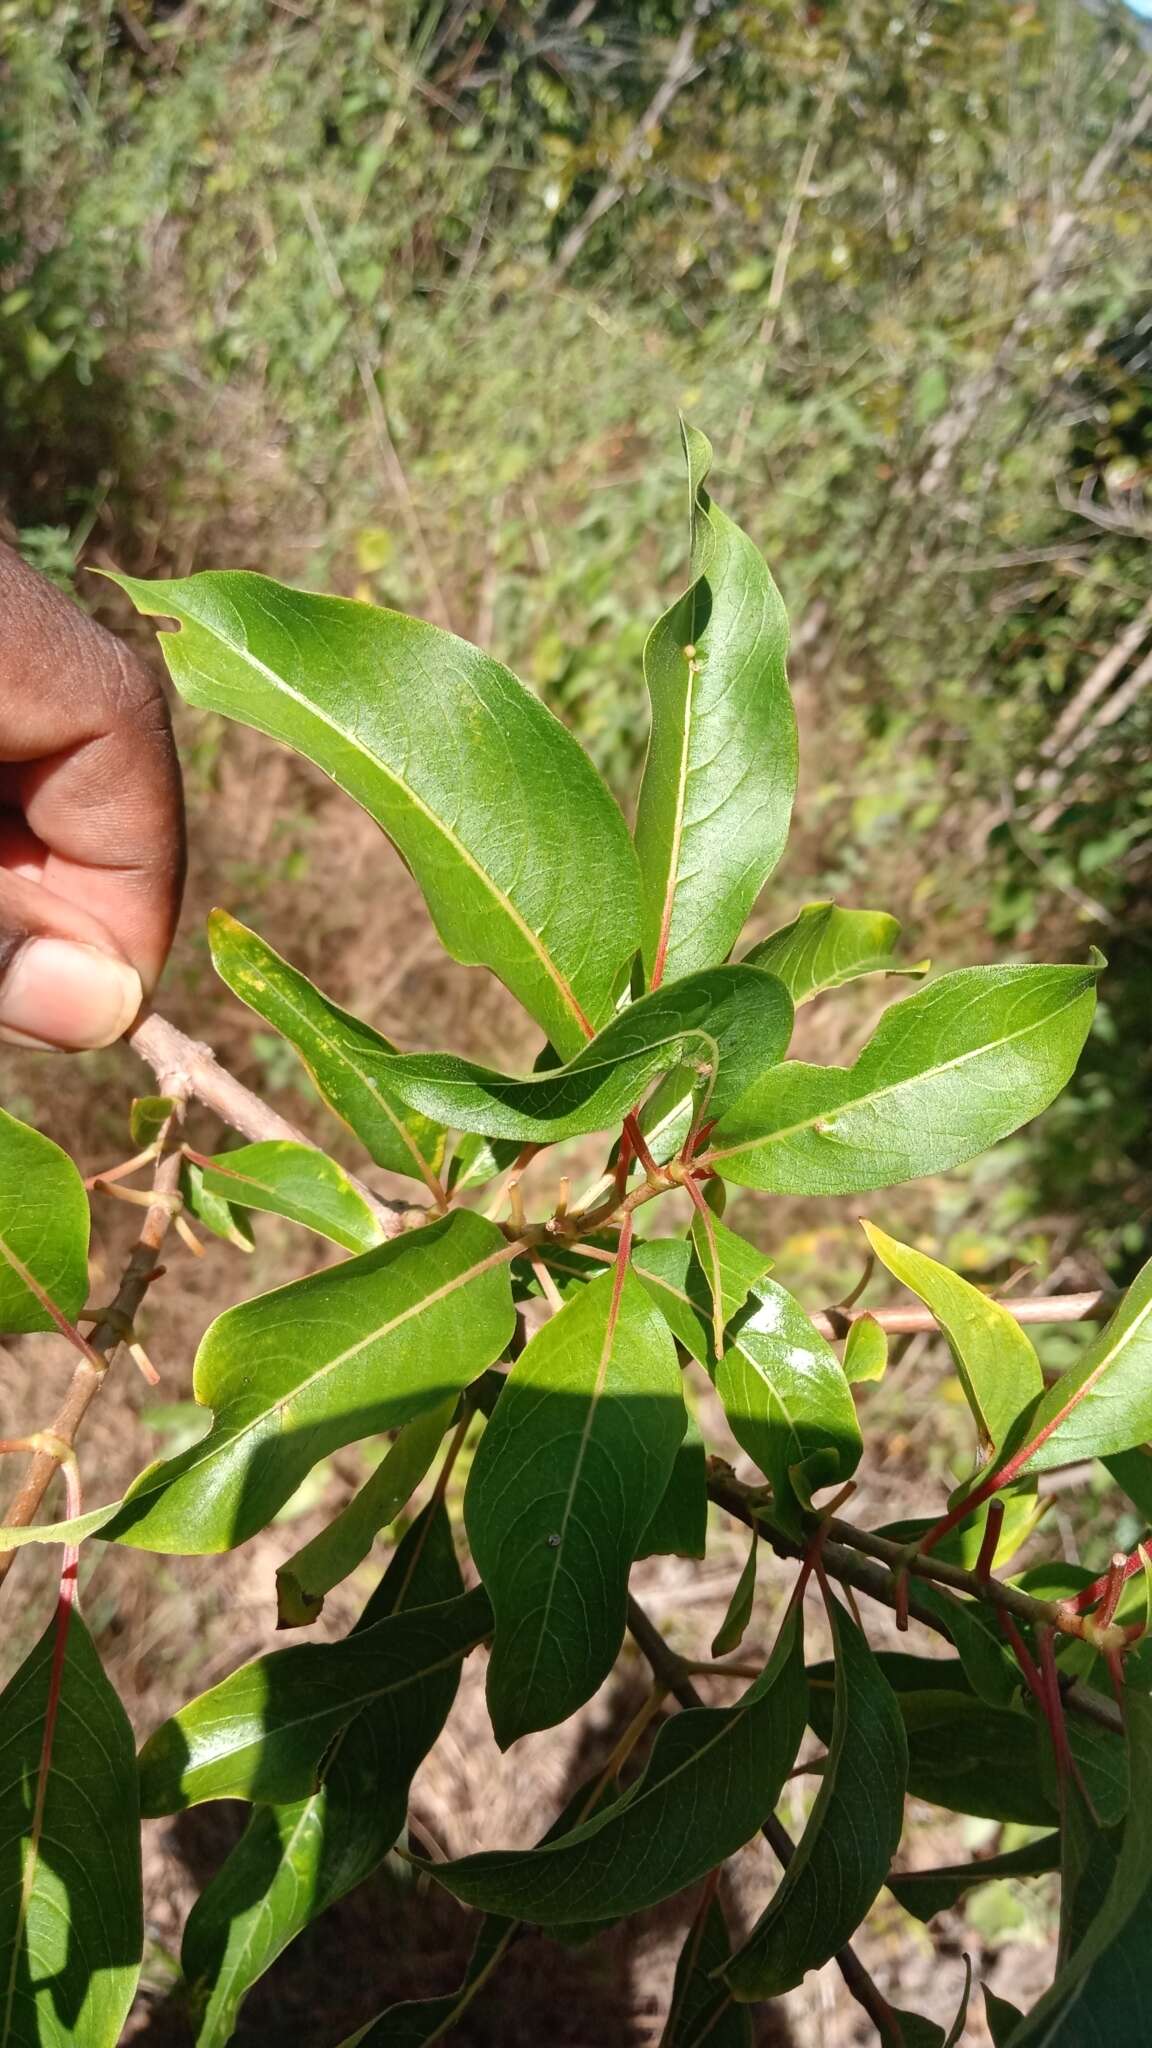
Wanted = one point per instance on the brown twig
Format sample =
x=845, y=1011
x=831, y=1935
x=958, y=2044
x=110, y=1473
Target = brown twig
x=873, y=1564
x=184, y=1067
x=113, y=1329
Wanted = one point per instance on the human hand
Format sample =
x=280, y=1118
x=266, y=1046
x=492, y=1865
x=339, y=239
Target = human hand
x=91, y=822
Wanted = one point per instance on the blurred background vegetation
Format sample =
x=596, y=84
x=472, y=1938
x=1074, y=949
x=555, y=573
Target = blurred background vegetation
x=401, y=298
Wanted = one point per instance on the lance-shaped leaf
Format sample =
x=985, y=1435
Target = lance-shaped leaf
x=825, y=947
x=731, y=1266
x=221, y=1217
x=787, y=1401
x=43, y=1230
x=994, y=1358
x=294, y=1861
x=306, y=1577
x=263, y=1731
x=720, y=777
x=713, y=1776
x=1002, y=2017
x=679, y=1527
x=733, y=1628
x=852, y=1832
x=924, y=1893
x=495, y=808
x=731, y=1022
x=344, y=1057
x=946, y=1073
x=1101, y=1995
x=702, y=2010
x=71, y=1922
x=298, y=1182
x=569, y=1472
x=1104, y=1404
x=297, y=1373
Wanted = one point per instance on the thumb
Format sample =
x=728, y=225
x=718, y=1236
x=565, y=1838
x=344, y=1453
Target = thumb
x=64, y=984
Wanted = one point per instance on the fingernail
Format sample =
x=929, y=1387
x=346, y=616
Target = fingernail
x=64, y=997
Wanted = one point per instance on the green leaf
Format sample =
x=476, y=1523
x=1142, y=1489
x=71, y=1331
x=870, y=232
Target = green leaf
x=568, y=1474
x=147, y=1118
x=298, y=1182
x=787, y=1401
x=217, y=1215
x=495, y=808
x=1100, y=1997
x=262, y=1733
x=733, y=1628
x=304, y=1580
x=679, y=1527
x=43, y=1230
x=739, y=1265
x=71, y=1920
x=716, y=797
x=946, y=1073
x=1104, y=1404
x=980, y=1646
x=1002, y=2017
x=865, y=1350
x=344, y=1057
x=847, y=1847
x=702, y=2010
x=294, y=1861
x=962, y=1753
x=825, y=947
x=731, y=1022
x=994, y=1358
x=478, y=1160
x=924, y=1893
x=715, y=1773
x=297, y=1373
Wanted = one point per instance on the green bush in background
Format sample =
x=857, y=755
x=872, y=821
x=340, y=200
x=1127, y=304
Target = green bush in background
x=409, y=291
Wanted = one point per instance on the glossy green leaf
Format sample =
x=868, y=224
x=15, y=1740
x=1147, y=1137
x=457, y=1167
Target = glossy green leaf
x=568, y=1474
x=924, y=1893
x=476, y=1160
x=1101, y=1994
x=344, y=1057
x=787, y=1401
x=305, y=1578
x=494, y=807
x=847, y=1847
x=731, y=1022
x=262, y=1733
x=71, y=1921
x=946, y=1073
x=702, y=2010
x=716, y=797
x=297, y=1373
x=738, y=1264
x=294, y=1861
x=994, y=1357
x=679, y=1527
x=865, y=1355
x=733, y=1628
x=298, y=1182
x=1104, y=1404
x=980, y=1644
x=825, y=947
x=713, y=1776
x=43, y=1230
